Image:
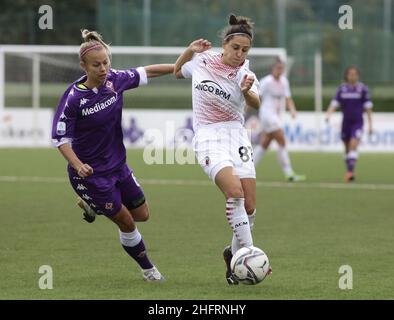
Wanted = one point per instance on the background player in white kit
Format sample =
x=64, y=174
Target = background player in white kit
x=222, y=84
x=275, y=94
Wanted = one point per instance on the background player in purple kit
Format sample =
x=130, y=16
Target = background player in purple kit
x=87, y=130
x=353, y=98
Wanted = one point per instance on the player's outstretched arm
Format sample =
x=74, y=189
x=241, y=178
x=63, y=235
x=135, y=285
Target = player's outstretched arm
x=83, y=169
x=248, y=109
x=291, y=107
x=369, y=117
x=196, y=46
x=157, y=70
x=252, y=99
x=331, y=109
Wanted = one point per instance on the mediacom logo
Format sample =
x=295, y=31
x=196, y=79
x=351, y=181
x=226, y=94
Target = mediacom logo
x=98, y=107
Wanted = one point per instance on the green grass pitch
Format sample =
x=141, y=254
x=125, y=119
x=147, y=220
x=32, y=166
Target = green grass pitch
x=308, y=231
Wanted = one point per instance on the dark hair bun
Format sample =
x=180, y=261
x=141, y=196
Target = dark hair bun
x=237, y=24
x=234, y=20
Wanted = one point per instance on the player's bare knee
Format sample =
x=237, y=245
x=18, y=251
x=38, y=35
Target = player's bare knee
x=123, y=226
x=147, y=211
x=250, y=207
x=141, y=214
x=124, y=221
x=281, y=142
x=126, y=226
x=234, y=192
x=145, y=216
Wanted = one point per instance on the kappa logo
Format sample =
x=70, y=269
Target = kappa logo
x=83, y=101
x=86, y=197
x=81, y=187
x=109, y=206
x=63, y=116
x=207, y=161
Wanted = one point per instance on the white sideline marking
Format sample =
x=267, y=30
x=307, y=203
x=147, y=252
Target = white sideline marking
x=179, y=182
x=32, y=179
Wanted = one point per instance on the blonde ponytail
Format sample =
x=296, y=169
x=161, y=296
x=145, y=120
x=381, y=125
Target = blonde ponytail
x=92, y=40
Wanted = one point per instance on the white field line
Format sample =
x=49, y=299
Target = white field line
x=179, y=182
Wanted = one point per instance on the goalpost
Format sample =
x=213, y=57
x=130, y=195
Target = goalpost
x=35, y=76
x=33, y=79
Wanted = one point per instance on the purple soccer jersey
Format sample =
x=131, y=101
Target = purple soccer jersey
x=353, y=101
x=90, y=119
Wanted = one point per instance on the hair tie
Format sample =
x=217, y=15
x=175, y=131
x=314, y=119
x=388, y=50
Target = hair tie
x=238, y=34
x=86, y=50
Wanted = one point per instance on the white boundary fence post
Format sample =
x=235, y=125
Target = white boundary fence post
x=2, y=79
x=318, y=95
x=35, y=92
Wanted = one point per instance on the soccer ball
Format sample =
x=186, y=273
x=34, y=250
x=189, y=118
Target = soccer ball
x=250, y=265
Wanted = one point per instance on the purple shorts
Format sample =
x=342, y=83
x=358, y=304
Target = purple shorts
x=106, y=194
x=352, y=131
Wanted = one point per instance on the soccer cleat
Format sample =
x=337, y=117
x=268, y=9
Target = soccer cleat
x=295, y=177
x=349, y=176
x=152, y=275
x=88, y=214
x=227, y=255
